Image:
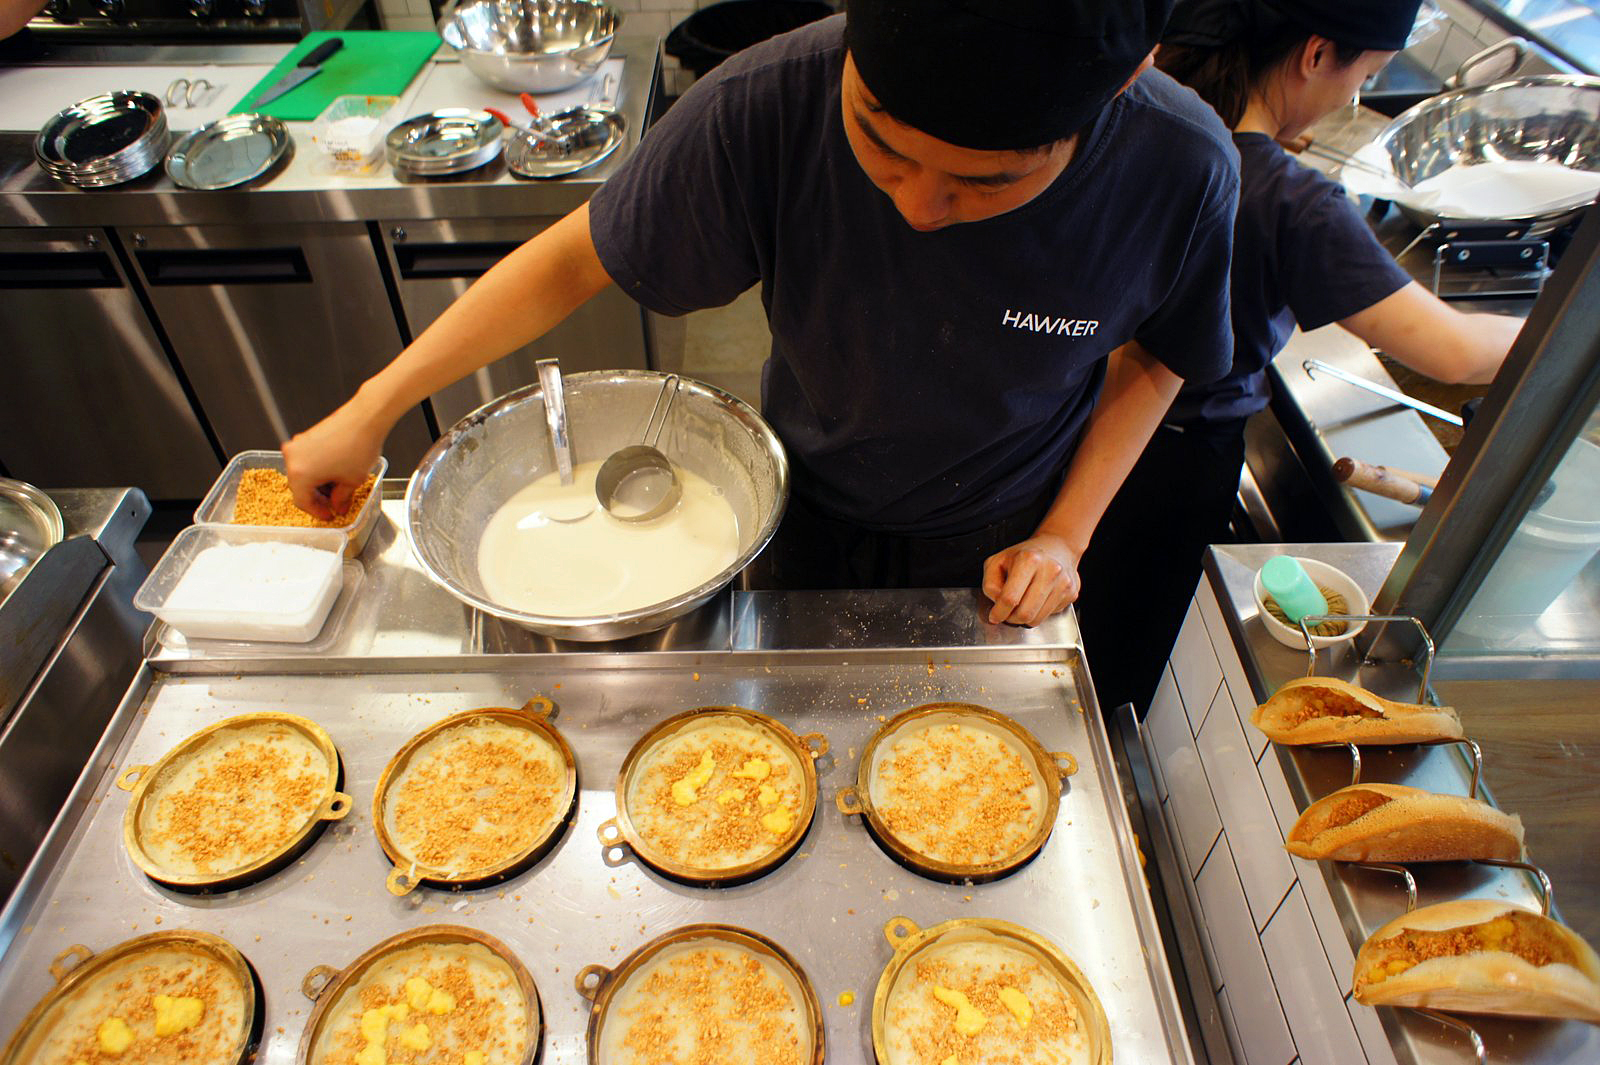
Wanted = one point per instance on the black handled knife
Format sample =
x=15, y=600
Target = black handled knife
x=308, y=67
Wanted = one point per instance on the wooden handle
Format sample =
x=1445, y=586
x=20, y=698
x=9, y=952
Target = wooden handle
x=1380, y=480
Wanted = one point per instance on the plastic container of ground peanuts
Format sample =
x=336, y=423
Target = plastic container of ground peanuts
x=220, y=506
x=246, y=582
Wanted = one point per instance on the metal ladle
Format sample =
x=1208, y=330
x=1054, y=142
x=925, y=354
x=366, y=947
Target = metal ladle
x=638, y=482
x=555, y=414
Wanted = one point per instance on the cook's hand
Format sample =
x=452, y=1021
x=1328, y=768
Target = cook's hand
x=1032, y=580
x=326, y=463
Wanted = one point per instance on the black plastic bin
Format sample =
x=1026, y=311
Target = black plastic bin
x=713, y=33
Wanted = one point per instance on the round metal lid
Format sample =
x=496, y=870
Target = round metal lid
x=30, y=525
x=228, y=152
x=565, y=142
x=444, y=142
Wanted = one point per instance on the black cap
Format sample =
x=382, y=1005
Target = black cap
x=1374, y=25
x=1000, y=74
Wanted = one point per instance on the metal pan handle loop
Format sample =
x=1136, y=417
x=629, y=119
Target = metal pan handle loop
x=610, y=833
x=848, y=800
x=898, y=930
x=540, y=707
x=337, y=807
x=402, y=882
x=317, y=980
x=1066, y=763
x=129, y=777
x=589, y=981
x=816, y=743
x=69, y=960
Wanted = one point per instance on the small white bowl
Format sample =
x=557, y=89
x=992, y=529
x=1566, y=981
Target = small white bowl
x=1324, y=576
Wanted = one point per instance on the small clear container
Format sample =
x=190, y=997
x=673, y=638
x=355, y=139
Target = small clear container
x=247, y=609
x=351, y=130
x=218, y=505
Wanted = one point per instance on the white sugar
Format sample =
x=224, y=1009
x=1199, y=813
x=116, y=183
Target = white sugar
x=255, y=579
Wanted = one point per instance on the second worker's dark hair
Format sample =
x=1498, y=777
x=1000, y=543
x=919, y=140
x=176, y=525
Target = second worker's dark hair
x=1225, y=76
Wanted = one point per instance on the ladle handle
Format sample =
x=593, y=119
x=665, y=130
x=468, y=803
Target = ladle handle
x=663, y=407
x=555, y=413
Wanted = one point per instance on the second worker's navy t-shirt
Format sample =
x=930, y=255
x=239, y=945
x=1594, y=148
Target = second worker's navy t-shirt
x=925, y=383
x=1301, y=254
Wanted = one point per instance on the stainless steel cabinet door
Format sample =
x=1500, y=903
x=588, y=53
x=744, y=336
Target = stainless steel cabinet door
x=274, y=325
x=436, y=261
x=87, y=395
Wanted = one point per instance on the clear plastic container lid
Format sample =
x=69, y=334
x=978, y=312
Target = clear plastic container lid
x=351, y=130
x=282, y=593
x=220, y=502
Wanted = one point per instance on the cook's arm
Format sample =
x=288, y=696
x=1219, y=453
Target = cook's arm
x=1032, y=580
x=1433, y=338
x=521, y=298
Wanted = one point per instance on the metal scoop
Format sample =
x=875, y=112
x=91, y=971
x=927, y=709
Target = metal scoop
x=555, y=414
x=638, y=482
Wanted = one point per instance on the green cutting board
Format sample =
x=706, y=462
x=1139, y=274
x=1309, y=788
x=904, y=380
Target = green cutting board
x=371, y=63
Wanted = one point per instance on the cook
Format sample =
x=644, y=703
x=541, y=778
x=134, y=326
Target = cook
x=969, y=218
x=1301, y=255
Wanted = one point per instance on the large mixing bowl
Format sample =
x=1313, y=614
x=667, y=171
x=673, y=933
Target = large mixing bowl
x=531, y=45
x=1554, y=118
x=501, y=447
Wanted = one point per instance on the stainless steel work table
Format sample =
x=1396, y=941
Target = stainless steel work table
x=837, y=663
x=1344, y=903
x=302, y=192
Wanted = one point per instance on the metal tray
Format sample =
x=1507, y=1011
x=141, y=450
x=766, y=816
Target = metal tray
x=228, y=152
x=565, y=143
x=444, y=142
x=826, y=905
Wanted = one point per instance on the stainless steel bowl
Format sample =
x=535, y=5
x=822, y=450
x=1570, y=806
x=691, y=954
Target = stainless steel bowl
x=499, y=448
x=531, y=45
x=30, y=525
x=1555, y=118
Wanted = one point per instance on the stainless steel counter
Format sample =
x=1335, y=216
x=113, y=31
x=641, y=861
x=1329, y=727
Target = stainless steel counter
x=302, y=192
x=835, y=663
x=1336, y=905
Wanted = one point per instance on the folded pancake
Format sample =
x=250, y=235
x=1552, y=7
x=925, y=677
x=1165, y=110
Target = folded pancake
x=1325, y=710
x=1480, y=956
x=1395, y=823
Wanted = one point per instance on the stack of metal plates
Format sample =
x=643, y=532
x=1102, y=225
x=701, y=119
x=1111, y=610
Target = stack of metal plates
x=104, y=140
x=565, y=142
x=448, y=141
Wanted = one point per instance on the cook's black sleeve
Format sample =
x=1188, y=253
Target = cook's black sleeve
x=1330, y=265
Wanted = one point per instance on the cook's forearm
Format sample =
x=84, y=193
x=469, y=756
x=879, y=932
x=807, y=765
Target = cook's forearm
x=1433, y=338
x=1137, y=393
x=519, y=299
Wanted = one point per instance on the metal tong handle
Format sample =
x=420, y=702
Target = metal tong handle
x=1314, y=366
x=555, y=413
x=663, y=407
x=1344, y=158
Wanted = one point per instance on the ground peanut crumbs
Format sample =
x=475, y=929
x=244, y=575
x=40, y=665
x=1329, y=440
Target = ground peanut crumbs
x=1521, y=934
x=1035, y=1029
x=476, y=802
x=250, y=802
x=712, y=1007
x=459, y=1015
x=729, y=818
x=265, y=499
x=957, y=795
x=1327, y=705
x=212, y=1006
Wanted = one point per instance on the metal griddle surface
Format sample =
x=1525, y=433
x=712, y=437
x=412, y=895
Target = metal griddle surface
x=827, y=905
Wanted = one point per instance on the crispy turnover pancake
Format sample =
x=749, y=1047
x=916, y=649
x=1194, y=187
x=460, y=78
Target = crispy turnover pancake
x=428, y=1004
x=985, y=1001
x=1395, y=823
x=718, y=794
x=707, y=1001
x=1480, y=956
x=474, y=797
x=119, y=1004
x=241, y=796
x=957, y=790
x=1325, y=710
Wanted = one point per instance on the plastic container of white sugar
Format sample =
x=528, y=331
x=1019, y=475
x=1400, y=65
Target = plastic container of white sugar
x=237, y=582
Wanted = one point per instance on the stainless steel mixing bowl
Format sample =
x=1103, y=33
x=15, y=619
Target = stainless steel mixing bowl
x=531, y=45
x=30, y=525
x=1555, y=118
x=498, y=449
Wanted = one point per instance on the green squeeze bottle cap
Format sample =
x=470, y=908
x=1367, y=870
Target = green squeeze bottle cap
x=1287, y=581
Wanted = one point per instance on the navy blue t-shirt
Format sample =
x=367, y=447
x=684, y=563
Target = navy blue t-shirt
x=1301, y=253
x=925, y=383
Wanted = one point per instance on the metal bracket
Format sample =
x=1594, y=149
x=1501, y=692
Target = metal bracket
x=1459, y=1025
x=1400, y=871
x=1427, y=642
x=1537, y=875
x=1474, y=757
